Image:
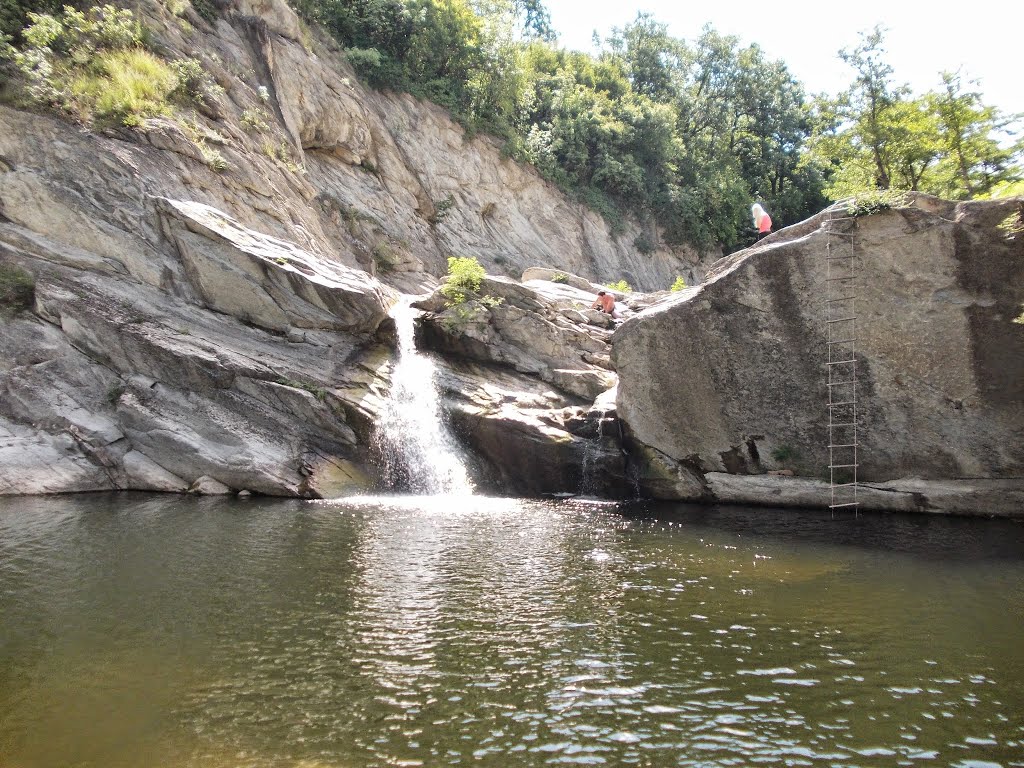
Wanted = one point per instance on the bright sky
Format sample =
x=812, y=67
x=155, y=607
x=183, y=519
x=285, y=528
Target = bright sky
x=923, y=39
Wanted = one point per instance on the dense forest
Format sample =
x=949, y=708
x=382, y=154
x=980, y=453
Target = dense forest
x=681, y=134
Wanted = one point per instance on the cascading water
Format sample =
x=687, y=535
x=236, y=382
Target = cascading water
x=418, y=451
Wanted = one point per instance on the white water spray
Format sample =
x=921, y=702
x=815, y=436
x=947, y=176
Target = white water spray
x=419, y=452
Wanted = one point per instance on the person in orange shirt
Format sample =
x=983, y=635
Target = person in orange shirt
x=762, y=221
x=604, y=302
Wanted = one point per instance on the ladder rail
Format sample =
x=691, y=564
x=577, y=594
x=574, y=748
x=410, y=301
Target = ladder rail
x=841, y=269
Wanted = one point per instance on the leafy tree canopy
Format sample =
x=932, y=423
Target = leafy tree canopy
x=682, y=134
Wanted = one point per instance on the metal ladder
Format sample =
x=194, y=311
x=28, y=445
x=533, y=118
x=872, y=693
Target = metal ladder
x=842, y=269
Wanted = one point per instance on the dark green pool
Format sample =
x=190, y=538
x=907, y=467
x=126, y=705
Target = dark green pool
x=153, y=631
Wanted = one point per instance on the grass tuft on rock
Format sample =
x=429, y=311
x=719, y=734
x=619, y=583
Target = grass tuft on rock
x=17, y=289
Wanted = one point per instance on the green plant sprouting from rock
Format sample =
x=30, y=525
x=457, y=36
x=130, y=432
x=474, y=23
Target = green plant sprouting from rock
x=465, y=275
x=876, y=201
x=621, y=286
x=318, y=392
x=1012, y=225
x=464, y=303
x=785, y=454
x=441, y=209
x=679, y=284
x=17, y=289
x=96, y=66
x=384, y=256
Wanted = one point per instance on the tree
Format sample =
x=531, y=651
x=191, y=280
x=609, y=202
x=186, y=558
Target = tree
x=870, y=101
x=653, y=60
x=535, y=18
x=14, y=14
x=973, y=161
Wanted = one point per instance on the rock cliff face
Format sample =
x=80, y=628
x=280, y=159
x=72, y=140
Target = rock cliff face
x=728, y=380
x=202, y=305
x=207, y=289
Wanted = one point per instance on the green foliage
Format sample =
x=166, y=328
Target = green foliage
x=875, y=201
x=14, y=15
x=282, y=152
x=195, y=84
x=459, y=316
x=122, y=86
x=318, y=392
x=651, y=127
x=92, y=65
x=1012, y=225
x=441, y=209
x=877, y=136
x=213, y=157
x=254, y=119
x=679, y=284
x=17, y=289
x=491, y=301
x=465, y=275
x=384, y=257
x=643, y=244
x=621, y=286
x=114, y=393
x=206, y=10
x=785, y=454
x=559, y=277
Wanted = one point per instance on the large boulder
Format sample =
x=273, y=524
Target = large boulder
x=731, y=377
x=539, y=328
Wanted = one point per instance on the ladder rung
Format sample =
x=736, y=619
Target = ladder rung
x=846, y=445
x=841, y=383
x=836, y=279
x=842, y=362
x=845, y=485
x=841, y=341
x=844, y=402
x=845, y=298
x=842, y=319
x=845, y=424
x=842, y=466
x=847, y=504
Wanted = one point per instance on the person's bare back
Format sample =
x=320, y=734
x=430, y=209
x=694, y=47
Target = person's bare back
x=604, y=302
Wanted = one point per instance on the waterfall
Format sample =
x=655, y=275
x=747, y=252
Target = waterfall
x=419, y=452
x=592, y=448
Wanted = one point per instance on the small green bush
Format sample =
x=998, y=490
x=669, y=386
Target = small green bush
x=206, y=10
x=318, y=392
x=384, y=257
x=195, y=84
x=876, y=201
x=621, y=286
x=254, y=119
x=441, y=209
x=465, y=274
x=785, y=454
x=643, y=244
x=213, y=158
x=679, y=284
x=559, y=277
x=17, y=289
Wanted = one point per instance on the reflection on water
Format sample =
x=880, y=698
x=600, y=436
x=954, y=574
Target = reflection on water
x=161, y=631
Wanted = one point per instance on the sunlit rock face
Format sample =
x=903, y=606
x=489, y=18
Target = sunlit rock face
x=728, y=379
x=527, y=374
x=209, y=288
